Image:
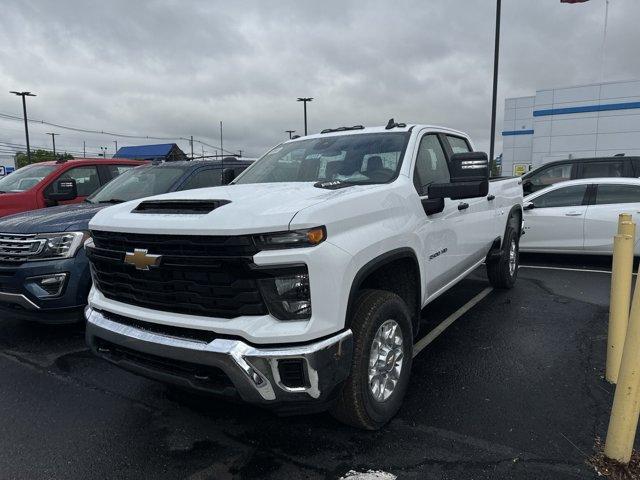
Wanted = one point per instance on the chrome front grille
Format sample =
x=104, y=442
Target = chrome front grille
x=18, y=248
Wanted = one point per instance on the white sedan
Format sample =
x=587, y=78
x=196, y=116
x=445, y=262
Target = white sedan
x=579, y=216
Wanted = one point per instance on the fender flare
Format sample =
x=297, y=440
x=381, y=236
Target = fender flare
x=374, y=264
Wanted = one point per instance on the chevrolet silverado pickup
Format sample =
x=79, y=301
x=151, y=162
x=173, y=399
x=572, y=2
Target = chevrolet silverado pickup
x=300, y=286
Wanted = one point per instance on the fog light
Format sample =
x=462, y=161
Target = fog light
x=47, y=286
x=288, y=296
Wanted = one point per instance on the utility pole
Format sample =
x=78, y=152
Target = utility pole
x=221, y=149
x=116, y=142
x=84, y=149
x=240, y=152
x=53, y=139
x=304, y=100
x=290, y=132
x=191, y=143
x=496, y=58
x=24, y=111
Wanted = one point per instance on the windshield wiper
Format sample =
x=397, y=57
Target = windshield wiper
x=113, y=201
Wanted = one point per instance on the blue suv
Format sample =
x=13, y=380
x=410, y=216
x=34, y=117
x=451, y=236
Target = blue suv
x=44, y=272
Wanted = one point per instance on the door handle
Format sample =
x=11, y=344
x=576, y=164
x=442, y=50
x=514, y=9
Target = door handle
x=463, y=206
x=573, y=214
x=491, y=197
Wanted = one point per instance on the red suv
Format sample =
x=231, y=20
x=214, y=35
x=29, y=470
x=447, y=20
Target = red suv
x=57, y=183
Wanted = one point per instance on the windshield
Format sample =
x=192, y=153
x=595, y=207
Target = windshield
x=353, y=159
x=24, y=178
x=138, y=183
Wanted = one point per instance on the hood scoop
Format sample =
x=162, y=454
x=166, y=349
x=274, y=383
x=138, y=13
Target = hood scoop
x=179, y=207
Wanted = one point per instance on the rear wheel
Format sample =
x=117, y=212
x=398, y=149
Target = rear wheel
x=503, y=270
x=381, y=364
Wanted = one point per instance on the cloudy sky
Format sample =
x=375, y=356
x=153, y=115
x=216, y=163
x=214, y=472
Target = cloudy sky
x=175, y=68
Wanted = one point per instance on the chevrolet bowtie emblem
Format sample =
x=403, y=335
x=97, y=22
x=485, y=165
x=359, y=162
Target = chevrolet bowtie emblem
x=141, y=259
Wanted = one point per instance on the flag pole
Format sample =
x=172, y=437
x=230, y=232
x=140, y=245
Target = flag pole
x=604, y=41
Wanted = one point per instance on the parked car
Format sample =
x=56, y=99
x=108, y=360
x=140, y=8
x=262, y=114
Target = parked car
x=299, y=287
x=49, y=184
x=579, y=216
x=44, y=272
x=577, y=168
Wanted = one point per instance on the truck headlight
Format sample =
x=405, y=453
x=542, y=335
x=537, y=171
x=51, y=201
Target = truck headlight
x=308, y=237
x=51, y=246
x=287, y=294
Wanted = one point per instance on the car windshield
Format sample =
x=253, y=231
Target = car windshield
x=137, y=183
x=352, y=159
x=24, y=178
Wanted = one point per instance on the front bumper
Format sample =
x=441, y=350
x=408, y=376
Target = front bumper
x=224, y=366
x=17, y=301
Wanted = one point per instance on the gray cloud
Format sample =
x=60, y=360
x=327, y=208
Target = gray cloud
x=176, y=68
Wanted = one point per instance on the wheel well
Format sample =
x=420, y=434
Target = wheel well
x=398, y=273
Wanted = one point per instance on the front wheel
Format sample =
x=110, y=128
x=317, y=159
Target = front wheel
x=503, y=270
x=381, y=364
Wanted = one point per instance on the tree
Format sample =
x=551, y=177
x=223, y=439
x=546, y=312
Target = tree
x=38, y=156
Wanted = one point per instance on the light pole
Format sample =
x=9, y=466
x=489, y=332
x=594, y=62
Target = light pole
x=104, y=152
x=496, y=57
x=290, y=132
x=116, y=142
x=304, y=100
x=24, y=111
x=240, y=151
x=53, y=139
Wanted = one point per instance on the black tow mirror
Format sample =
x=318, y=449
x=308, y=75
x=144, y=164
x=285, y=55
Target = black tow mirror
x=469, y=178
x=65, y=190
x=228, y=175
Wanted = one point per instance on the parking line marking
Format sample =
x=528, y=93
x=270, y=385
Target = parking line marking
x=446, y=323
x=567, y=269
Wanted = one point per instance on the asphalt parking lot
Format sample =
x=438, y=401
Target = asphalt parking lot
x=512, y=389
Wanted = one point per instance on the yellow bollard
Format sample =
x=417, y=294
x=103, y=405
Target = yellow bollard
x=624, y=217
x=621, y=277
x=627, y=228
x=624, y=413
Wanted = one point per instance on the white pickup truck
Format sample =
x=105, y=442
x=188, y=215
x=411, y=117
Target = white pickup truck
x=300, y=286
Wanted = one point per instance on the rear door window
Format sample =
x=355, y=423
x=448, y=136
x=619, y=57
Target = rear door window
x=602, y=169
x=611, y=193
x=562, y=197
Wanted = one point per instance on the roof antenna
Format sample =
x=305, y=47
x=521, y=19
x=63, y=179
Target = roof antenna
x=392, y=124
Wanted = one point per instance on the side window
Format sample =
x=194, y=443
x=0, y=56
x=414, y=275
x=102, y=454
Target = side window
x=562, y=197
x=458, y=145
x=608, y=194
x=551, y=175
x=203, y=179
x=602, y=169
x=86, y=178
x=431, y=163
x=116, y=170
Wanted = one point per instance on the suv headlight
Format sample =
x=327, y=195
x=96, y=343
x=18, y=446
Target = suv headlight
x=287, y=293
x=51, y=246
x=309, y=237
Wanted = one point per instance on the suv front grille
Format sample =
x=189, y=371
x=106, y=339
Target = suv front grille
x=16, y=248
x=204, y=276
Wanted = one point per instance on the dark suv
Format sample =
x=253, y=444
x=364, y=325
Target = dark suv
x=44, y=272
x=577, y=168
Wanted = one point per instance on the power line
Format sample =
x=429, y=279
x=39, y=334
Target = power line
x=103, y=132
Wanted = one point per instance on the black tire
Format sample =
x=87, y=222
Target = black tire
x=356, y=404
x=499, y=270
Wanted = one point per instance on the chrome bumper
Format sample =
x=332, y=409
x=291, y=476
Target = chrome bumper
x=253, y=371
x=18, y=299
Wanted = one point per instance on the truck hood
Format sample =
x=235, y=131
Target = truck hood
x=252, y=208
x=53, y=219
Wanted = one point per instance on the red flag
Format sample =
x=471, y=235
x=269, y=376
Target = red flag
x=573, y=1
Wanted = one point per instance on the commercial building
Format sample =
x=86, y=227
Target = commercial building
x=597, y=120
x=7, y=165
x=162, y=152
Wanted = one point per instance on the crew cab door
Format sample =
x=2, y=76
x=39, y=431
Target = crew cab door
x=554, y=220
x=477, y=214
x=601, y=222
x=440, y=232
